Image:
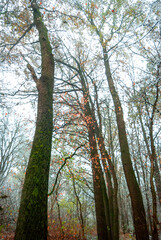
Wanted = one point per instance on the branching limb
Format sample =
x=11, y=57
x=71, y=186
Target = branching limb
x=31, y=69
x=23, y=35
x=65, y=160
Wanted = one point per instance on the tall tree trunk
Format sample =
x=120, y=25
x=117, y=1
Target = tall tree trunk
x=153, y=159
x=145, y=181
x=134, y=154
x=112, y=191
x=154, y=204
x=139, y=216
x=124, y=220
x=108, y=209
x=98, y=178
x=156, y=173
x=96, y=166
x=98, y=191
x=32, y=219
x=113, y=168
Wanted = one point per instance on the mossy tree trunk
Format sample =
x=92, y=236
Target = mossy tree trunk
x=32, y=219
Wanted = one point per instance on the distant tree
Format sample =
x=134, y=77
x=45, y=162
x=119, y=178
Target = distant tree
x=10, y=143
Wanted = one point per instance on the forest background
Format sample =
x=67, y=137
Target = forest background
x=80, y=105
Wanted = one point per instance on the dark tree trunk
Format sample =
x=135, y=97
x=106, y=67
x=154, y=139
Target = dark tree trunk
x=96, y=167
x=123, y=215
x=107, y=210
x=98, y=191
x=153, y=159
x=149, y=220
x=154, y=203
x=112, y=191
x=139, y=216
x=156, y=168
x=32, y=219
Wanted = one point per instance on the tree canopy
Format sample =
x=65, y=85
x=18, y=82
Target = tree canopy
x=80, y=119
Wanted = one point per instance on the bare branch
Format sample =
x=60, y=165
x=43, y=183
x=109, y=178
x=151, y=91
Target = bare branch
x=31, y=69
x=65, y=160
x=23, y=35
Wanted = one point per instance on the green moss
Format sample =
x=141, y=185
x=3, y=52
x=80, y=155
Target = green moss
x=35, y=192
x=1, y=227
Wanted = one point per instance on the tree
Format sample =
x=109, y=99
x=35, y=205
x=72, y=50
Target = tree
x=139, y=216
x=91, y=42
x=10, y=143
x=32, y=219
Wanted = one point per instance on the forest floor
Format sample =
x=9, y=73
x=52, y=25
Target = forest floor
x=126, y=236
x=8, y=234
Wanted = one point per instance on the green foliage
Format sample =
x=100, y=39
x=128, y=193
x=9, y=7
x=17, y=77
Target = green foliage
x=1, y=228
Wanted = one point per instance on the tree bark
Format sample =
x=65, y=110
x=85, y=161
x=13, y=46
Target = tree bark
x=96, y=167
x=153, y=159
x=113, y=226
x=139, y=216
x=156, y=168
x=154, y=204
x=98, y=191
x=32, y=219
x=112, y=191
x=145, y=182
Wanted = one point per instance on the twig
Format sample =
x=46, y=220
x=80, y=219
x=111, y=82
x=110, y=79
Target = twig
x=65, y=160
x=23, y=35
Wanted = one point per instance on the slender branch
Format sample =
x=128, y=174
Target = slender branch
x=31, y=69
x=66, y=64
x=23, y=35
x=65, y=160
